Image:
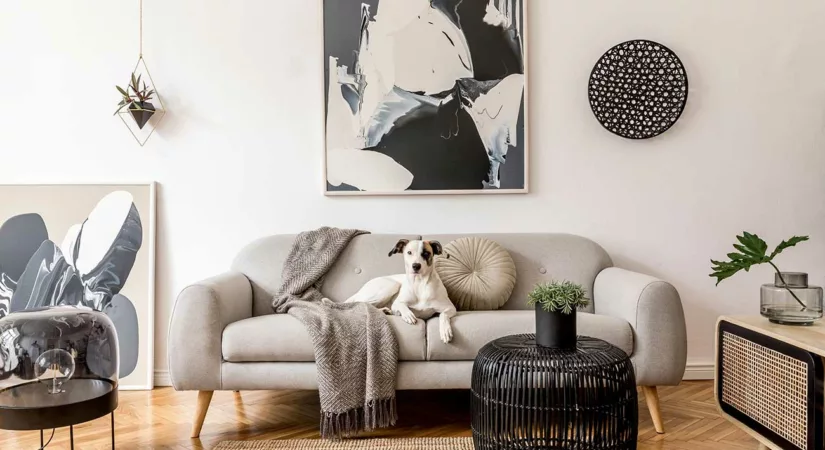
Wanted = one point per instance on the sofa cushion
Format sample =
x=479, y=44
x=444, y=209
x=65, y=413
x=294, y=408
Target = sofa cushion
x=479, y=274
x=282, y=338
x=473, y=329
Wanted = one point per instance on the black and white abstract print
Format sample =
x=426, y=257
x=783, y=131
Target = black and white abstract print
x=87, y=269
x=425, y=95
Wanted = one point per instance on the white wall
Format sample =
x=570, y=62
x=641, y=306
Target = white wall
x=239, y=154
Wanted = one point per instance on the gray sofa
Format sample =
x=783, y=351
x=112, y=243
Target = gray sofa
x=224, y=336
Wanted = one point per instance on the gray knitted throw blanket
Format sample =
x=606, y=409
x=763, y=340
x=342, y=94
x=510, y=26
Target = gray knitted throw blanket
x=356, y=352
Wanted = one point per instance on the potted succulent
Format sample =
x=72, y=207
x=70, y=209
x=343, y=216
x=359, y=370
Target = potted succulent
x=788, y=300
x=556, y=304
x=136, y=98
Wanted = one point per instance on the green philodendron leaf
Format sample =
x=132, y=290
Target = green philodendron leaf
x=746, y=252
x=752, y=251
x=787, y=244
x=722, y=272
x=756, y=243
x=737, y=257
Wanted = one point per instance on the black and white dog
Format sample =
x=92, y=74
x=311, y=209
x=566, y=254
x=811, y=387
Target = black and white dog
x=417, y=294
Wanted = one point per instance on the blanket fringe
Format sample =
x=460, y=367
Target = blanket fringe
x=374, y=414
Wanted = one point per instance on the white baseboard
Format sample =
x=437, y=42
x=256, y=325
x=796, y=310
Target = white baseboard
x=693, y=371
x=699, y=371
x=162, y=378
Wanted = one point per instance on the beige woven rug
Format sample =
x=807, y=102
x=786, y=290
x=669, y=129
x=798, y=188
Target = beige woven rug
x=458, y=443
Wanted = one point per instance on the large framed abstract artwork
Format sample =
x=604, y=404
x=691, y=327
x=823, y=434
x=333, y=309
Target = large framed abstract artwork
x=425, y=96
x=89, y=246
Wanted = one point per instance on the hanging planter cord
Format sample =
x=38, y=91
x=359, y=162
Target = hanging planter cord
x=158, y=112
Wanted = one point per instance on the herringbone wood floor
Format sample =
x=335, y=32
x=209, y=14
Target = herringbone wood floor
x=162, y=419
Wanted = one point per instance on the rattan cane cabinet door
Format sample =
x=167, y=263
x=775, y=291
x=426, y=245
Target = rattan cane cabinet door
x=771, y=387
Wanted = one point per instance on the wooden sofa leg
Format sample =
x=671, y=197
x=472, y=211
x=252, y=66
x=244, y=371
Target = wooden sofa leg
x=204, y=397
x=652, y=399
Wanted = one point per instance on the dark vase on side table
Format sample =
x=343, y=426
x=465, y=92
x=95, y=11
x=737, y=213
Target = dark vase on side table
x=555, y=329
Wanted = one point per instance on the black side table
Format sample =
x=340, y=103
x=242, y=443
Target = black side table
x=526, y=396
x=58, y=368
x=31, y=407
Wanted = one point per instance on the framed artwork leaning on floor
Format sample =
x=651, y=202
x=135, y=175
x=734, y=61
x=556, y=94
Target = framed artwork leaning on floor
x=91, y=246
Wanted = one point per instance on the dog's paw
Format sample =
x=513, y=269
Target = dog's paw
x=446, y=334
x=409, y=317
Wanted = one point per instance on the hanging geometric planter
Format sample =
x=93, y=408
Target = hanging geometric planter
x=140, y=107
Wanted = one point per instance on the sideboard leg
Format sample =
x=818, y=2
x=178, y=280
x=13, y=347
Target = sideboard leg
x=41, y=439
x=71, y=437
x=652, y=399
x=113, y=430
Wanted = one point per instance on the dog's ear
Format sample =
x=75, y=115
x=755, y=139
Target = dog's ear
x=437, y=248
x=399, y=247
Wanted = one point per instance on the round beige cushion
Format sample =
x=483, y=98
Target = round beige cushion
x=479, y=274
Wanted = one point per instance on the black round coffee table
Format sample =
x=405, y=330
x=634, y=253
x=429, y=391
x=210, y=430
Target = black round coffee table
x=30, y=406
x=526, y=396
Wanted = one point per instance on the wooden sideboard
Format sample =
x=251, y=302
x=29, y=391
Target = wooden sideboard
x=769, y=380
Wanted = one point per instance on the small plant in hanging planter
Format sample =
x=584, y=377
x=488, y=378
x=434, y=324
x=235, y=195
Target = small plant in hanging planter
x=136, y=98
x=556, y=304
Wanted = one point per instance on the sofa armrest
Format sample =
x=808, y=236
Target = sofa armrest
x=201, y=313
x=654, y=310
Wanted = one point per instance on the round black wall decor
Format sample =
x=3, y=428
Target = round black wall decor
x=638, y=89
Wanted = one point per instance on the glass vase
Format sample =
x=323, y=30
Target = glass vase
x=790, y=301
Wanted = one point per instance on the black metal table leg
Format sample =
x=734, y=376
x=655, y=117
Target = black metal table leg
x=113, y=430
x=71, y=437
x=41, y=438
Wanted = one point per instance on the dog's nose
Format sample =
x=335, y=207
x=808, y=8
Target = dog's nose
x=416, y=267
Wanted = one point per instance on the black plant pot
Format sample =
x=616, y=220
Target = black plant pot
x=555, y=329
x=142, y=116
